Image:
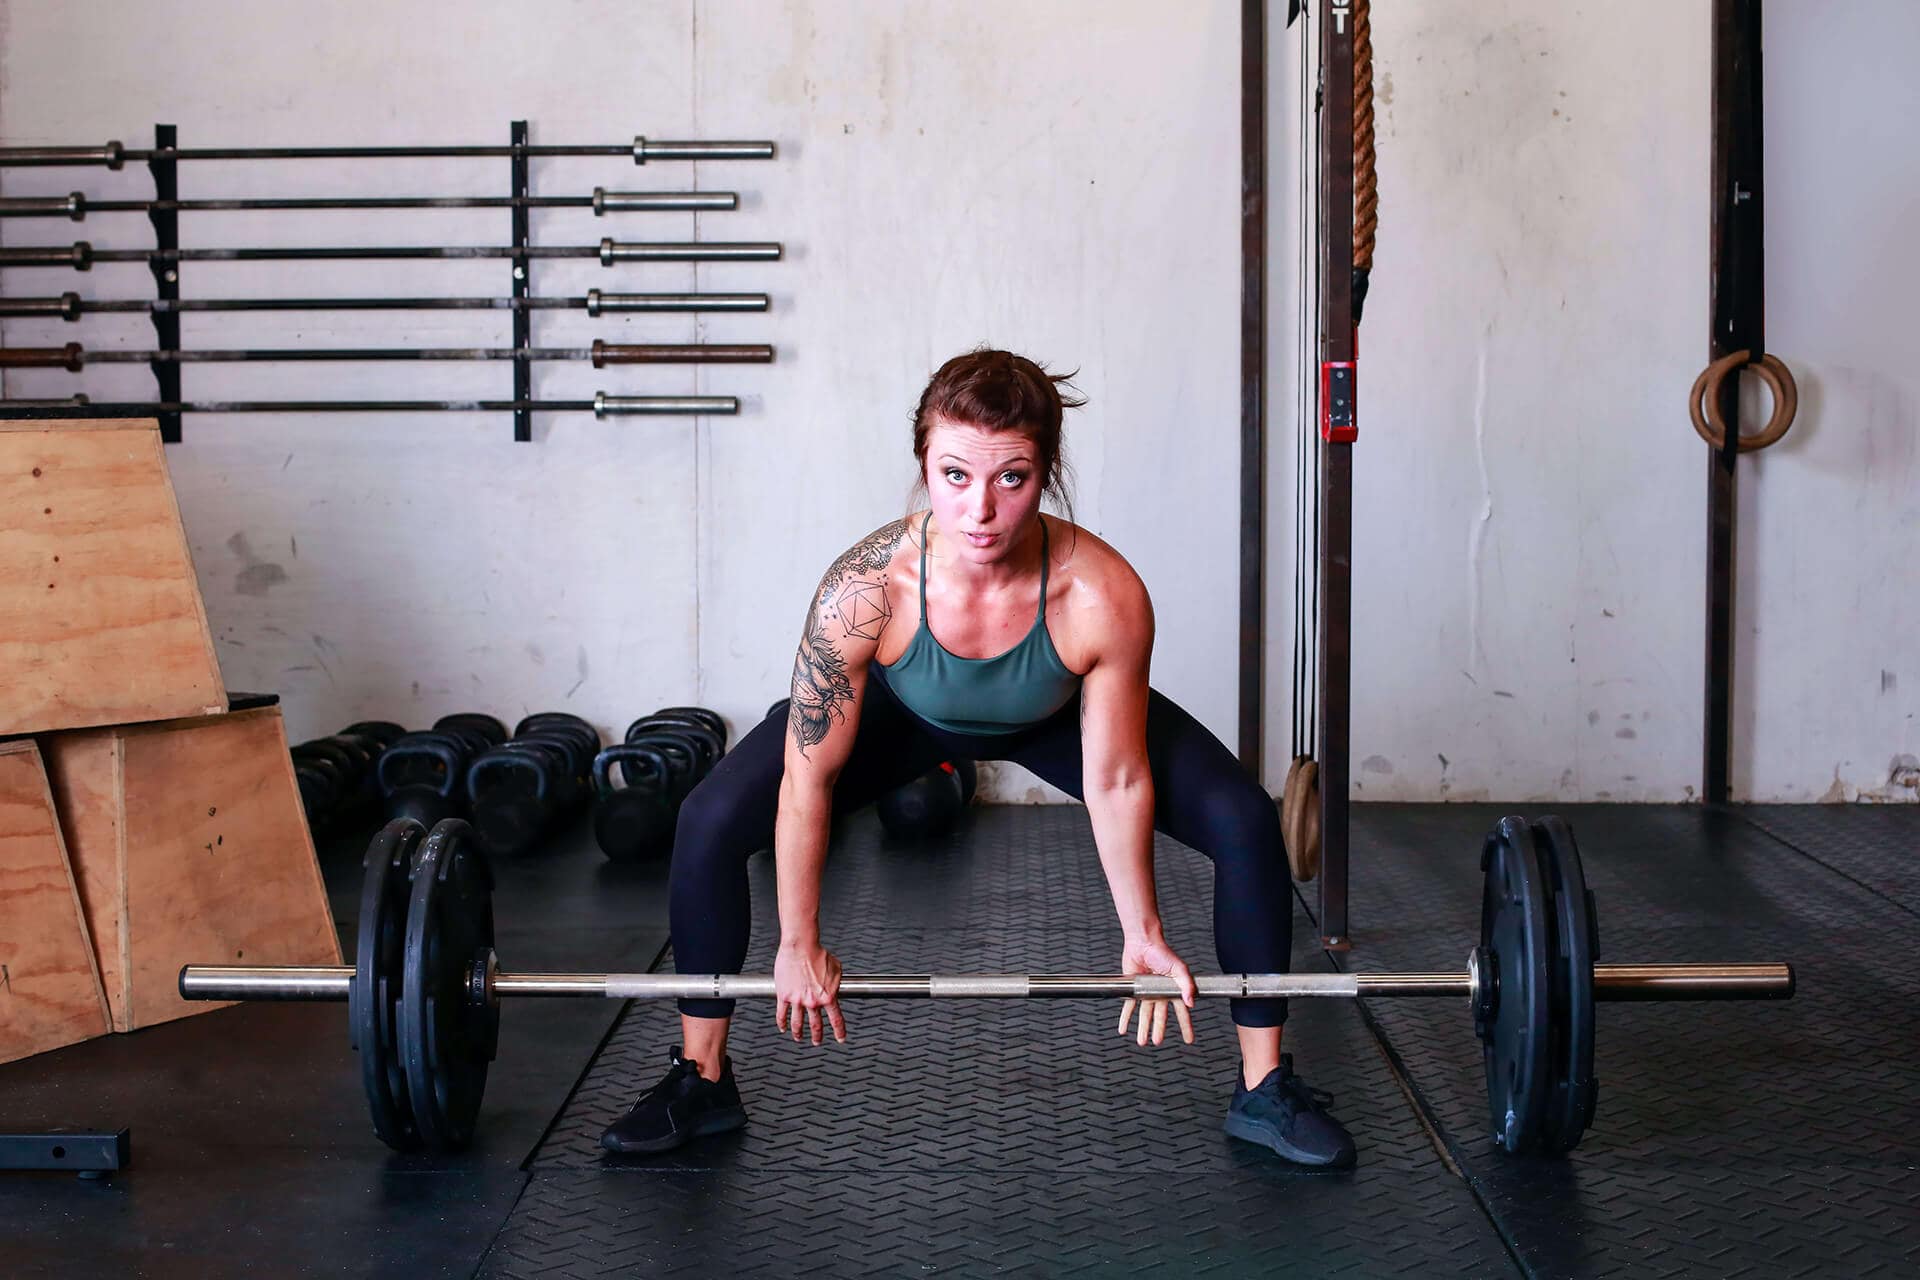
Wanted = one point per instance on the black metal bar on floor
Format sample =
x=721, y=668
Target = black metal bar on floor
x=1739, y=322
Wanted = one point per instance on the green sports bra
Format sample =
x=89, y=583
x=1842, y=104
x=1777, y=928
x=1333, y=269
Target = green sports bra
x=1001, y=694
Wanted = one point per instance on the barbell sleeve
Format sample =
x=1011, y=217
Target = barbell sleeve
x=1765, y=981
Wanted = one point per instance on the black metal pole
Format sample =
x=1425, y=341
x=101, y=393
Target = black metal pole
x=1338, y=429
x=1739, y=322
x=522, y=269
x=166, y=277
x=1253, y=359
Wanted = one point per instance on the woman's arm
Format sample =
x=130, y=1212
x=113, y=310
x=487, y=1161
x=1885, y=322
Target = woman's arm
x=1113, y=745
x=1118, y=784
x=829, y=683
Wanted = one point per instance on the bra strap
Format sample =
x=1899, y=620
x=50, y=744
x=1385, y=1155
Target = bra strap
x=923, y=569
x=1044, y=557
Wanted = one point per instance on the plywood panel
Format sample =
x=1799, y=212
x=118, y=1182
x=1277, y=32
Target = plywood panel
x=104, y=619
x=189, y=846
x=220, y=868
x=50, y=992
x=84, y=770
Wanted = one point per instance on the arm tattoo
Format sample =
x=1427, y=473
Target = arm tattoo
x=853, y=598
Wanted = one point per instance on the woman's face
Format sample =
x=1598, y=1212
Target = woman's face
x=985, y=488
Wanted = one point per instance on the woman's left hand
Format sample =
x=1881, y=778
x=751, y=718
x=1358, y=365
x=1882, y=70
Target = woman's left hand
x=1143, y=955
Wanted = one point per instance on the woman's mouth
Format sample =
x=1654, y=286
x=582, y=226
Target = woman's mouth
x=981, y=539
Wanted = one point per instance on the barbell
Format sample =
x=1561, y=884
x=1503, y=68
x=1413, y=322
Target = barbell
x=424, y=996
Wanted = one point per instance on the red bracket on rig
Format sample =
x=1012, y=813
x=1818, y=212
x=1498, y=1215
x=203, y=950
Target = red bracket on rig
x=1339, y=401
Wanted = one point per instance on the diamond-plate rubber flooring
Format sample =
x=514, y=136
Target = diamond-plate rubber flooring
x=1731, y=1138
x=973, y=1138
x=980, y=1137
x=1877, y=845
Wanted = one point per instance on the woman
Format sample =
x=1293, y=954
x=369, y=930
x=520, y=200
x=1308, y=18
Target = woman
x=980, y=628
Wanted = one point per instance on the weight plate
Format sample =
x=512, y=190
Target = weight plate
x=1570, y=1107
x=448, y=1029
x=1515, y=929
x=374, y=995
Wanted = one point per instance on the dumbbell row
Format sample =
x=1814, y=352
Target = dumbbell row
x=1611, y=982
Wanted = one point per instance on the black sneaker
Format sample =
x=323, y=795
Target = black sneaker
x=1287, y=1116
x=682, y=1107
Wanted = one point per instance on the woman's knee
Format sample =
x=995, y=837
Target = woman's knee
x=1241, y=822
x=713, y=833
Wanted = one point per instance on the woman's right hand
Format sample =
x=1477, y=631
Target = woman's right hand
x=806, y=980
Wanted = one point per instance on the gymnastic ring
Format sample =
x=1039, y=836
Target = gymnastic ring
x=1712, y=427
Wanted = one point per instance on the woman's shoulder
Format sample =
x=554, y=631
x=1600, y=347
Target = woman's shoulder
x=1092, y=561
x=877, y=550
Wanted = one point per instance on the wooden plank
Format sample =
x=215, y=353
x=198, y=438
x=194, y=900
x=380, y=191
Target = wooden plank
x=50, y=993
x=219, y=866
x=190, y=846
x=105, y=624
x=84, y=771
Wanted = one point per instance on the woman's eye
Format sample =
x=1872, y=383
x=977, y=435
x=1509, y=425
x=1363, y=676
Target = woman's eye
x=956, y=477
x=1012, y=479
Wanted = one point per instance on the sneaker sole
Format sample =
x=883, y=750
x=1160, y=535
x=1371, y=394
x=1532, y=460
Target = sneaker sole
x=725, y=1121
x=1261, y=1136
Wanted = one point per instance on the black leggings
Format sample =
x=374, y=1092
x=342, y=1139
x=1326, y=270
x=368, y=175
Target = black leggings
x=1203, y=799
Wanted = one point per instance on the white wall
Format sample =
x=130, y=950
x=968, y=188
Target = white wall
x=1529, y=508
x=1057, y=179
x=1062, y=179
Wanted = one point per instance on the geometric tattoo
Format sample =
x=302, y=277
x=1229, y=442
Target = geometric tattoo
x=851, y=602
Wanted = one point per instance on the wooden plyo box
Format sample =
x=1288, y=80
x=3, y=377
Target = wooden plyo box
x=49, y=989
x=104, y=621
x=190, y=847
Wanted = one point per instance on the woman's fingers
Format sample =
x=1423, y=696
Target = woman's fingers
x=839, y=1023
x=1159, y=1020
x=1186, y=1022
x=1126, y=1014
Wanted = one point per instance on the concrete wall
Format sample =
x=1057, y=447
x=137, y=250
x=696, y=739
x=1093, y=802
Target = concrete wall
x=1062, y=179
x=1529, y=507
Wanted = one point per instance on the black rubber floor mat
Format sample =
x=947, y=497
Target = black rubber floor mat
x=1776, y=1138
x=977, y=1136
x=1877, y=845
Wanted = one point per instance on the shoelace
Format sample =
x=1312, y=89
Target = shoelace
x=672, y=1080
x=1307, y=1097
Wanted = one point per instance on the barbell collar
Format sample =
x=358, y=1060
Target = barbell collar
x=79, y=256
x=605, y=201
x=605, y=405
x=1611, y=982
x=112, y=155
x=645, y=150
x=599, y=303
x=606, y=353
x=612, y=251
x=72, y=206
x=66, y=306
x=72, y=357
